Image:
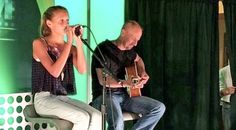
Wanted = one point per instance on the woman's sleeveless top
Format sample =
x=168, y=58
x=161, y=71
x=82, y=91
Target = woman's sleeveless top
x=42, y=80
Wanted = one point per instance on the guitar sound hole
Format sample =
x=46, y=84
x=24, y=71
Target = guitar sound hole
x=134, y=80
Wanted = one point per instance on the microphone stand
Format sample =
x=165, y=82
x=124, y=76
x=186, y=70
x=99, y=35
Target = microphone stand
x=106, y=72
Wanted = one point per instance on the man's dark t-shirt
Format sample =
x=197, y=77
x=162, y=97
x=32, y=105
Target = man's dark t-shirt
x=116, y=61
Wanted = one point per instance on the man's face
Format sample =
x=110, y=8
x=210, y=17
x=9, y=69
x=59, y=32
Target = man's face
x=131, y=37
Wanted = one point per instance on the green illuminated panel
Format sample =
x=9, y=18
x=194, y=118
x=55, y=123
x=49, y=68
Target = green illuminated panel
x=44, y=4
x=15, y=48
x=107, y=18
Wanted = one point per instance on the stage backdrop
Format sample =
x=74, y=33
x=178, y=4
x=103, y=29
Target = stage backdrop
x=19, y=21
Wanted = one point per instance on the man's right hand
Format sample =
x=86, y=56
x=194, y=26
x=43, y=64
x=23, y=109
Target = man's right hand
x=229, y=91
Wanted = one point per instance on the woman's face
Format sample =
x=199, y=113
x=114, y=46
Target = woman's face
x=59, y=22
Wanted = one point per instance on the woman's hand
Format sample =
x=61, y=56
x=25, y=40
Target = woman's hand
x=69, y=32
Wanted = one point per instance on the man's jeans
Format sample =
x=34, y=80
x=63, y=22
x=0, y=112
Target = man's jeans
x=151, y=110
x=226, y=115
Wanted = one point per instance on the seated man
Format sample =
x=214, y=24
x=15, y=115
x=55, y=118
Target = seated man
x=119, y=54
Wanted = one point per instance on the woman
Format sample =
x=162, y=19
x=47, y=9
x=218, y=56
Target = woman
x=52, y=72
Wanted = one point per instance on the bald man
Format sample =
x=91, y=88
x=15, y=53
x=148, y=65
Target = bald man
x=119, y=54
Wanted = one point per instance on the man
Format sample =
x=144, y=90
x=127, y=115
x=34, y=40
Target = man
x=117, y=55
x=226, y=89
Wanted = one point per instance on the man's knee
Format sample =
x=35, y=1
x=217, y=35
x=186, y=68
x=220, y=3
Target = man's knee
x=160, y=109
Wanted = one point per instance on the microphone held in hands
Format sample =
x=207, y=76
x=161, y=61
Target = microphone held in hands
x=77, y=29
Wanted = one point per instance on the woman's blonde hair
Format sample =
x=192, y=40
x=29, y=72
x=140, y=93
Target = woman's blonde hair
x=47, y=15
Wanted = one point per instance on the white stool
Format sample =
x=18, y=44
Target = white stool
x=127, y=116
x=31, y=116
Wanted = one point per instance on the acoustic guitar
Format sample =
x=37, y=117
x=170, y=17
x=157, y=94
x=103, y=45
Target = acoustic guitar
x=132, y=74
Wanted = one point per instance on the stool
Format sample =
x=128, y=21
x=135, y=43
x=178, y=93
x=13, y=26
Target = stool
x=129, y=119
x=127, y=116
x=60, y=124
x=31, y=116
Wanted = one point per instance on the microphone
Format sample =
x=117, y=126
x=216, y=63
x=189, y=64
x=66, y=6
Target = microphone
x=77, y=29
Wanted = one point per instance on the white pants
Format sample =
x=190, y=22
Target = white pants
x=83, y=116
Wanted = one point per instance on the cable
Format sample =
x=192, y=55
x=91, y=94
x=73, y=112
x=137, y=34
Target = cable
x=103, y=58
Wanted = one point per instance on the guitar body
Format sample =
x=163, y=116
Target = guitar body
x=132, y=74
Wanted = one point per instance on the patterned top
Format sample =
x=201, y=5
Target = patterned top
x=42, y=80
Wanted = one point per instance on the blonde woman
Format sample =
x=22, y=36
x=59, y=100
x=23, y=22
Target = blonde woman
x=52, y=72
